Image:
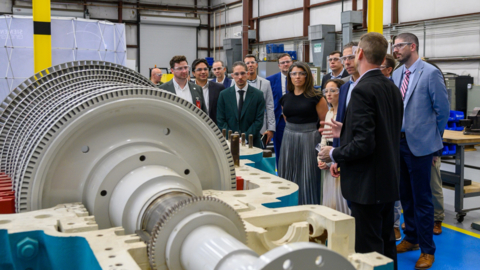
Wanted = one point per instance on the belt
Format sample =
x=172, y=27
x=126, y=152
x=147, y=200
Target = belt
x=402, y=135
x=329, y=143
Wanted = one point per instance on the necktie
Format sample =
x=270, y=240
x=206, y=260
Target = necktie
x=240, y=103
x=404, y=87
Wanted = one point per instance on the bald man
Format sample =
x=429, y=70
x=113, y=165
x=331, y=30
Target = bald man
x=156, y=76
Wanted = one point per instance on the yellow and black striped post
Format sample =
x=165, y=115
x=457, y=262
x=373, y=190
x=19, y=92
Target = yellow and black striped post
x=42, y=40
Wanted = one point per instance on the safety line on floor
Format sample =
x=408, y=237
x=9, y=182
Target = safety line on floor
x=448, y=226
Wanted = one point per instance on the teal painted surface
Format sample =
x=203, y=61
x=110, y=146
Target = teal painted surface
x=52, y=253
x=388, y=266
x=285, y=201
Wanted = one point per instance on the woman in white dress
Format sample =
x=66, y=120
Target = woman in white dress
x=332, y=192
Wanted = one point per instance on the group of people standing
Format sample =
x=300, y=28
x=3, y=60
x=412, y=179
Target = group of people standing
x=382, y=129
x=387, y=132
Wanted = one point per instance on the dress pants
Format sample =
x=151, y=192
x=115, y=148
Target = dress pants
x=437, y=192
x=374, y=229
x=416, y=198
x=398, y=214
x=278, y=137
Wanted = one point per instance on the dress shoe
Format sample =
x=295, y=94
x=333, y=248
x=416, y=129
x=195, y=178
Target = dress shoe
x=398, y=236
x=403, y=226
x=405, y=246
x=425, y=261
x=437, y=228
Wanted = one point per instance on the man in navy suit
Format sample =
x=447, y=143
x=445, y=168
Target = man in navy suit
x=220, y=72
x=426, y=111
x=348, y=61
x=336, y=66
x=279, y=88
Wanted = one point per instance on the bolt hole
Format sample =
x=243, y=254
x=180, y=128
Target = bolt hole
x=379, y=258
x=142, y=158
x=318, y=261
x=5, y=221
x=166, y=131
x=103, y=192
x=99, y=235
x=187, y=172
x=310, y=229
x=85, y=149
x=111, y=256
x=118, y=264
x=109, y=248
x=70, y=223
x=287, y=265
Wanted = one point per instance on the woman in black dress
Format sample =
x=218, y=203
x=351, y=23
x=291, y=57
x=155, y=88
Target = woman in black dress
x=303, y=107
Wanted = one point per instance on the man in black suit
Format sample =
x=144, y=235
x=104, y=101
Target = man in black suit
x=211, y=90
x=338, y=72
x=369, y=152
x=180, y=85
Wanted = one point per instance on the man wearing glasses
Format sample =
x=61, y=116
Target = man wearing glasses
x=426, y=112
x=220, y=72
x=181, y=86
x=211, y=90
x=279, y=88
x=348, y=59
x=156, y=76
x=241, y=107
x=268, y=128
x=336, y=65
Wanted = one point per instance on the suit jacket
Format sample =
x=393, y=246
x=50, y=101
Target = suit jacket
x=276, y=84
x=214, y=90
x=269, y=117
x=195, y=90
x=328, y=76
x=342, y=104
x=369, y=155
x=426, y=109
x=227, y=82
x=251, y=119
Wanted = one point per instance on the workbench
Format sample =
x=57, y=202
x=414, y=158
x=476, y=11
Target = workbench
x=457, y=178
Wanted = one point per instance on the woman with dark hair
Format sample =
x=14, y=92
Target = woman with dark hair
x=332, y=193
x=303, y=107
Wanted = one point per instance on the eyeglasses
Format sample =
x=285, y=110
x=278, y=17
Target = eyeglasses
x=236, y=74
x=217, y=68
x=331, y=90
x=382, y=67
x=285, y=62
x=181, y=68
x=346, y=58
x=355, y=49
x=400, y=45
x=201, y=69
x=301, y=74
x=158, y=74
x=250, y=63
x=333, y=59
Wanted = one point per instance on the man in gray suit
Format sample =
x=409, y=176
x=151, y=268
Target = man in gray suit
x=262, y=84
x=426, y=111
x=180, y=85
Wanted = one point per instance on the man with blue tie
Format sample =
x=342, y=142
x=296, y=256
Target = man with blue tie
x=220, y=72
x=278, y=82
x=348, y=61
x=426, y=111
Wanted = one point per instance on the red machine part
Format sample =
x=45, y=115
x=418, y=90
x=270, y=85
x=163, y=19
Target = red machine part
x=7, y=195
x=240, y=183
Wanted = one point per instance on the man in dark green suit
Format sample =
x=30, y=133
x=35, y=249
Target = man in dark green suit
x=180, y=85
x=241, y=107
